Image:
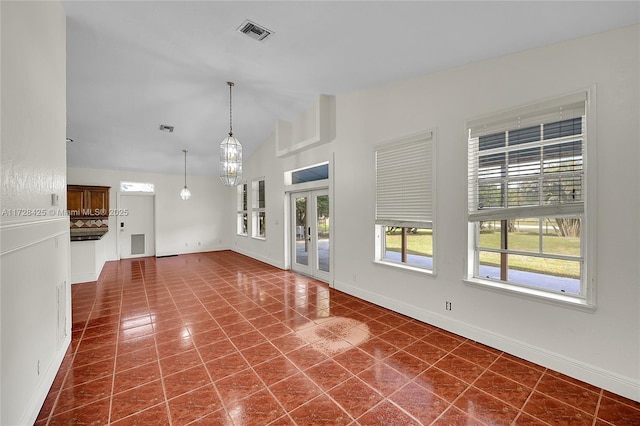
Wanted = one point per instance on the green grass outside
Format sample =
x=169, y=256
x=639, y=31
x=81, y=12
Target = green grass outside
x=528, y=242
x=422, y=244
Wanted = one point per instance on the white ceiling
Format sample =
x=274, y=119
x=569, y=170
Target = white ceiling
x=133, y=65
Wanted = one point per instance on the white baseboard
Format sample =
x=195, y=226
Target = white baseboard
x=189, y=250
x=259, y=257
x=84, y=278
x=40, y=394
x=608, y=380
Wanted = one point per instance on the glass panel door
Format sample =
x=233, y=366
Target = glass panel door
x=301, y=243
x=310, y=232
x=323, y=226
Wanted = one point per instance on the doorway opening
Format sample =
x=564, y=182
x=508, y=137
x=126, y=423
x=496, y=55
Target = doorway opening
x=310, y=231
x=136, y=225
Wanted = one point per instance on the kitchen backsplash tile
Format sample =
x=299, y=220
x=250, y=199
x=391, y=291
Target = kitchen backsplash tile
x=89, y=223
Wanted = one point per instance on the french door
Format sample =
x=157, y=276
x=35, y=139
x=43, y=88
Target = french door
x=310, y=233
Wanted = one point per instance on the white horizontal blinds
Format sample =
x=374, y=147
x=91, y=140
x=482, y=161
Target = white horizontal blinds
x=528, y=162
x=557, y=109
x=404, y=183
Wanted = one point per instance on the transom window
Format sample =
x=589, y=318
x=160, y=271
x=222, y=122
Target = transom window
x=310, y=174
x=136, y=187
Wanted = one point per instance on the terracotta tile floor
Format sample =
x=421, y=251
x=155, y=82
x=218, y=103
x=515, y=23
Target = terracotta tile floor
x=219, y=338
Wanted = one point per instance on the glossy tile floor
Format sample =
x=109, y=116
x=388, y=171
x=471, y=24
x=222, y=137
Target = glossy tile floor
x=219, y=338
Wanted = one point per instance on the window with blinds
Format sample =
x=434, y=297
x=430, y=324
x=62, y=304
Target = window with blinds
x=403, y=183
x=526, y=196
x=529, y=162
x=404, y=201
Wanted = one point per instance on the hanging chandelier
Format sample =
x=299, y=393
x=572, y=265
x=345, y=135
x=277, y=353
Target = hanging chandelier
x=230, y=153
x=185, y=194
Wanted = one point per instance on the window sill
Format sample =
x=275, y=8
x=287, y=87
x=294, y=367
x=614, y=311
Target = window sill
x=242, y=235
x=260, y=238
x=405, y=267
x=532, y=294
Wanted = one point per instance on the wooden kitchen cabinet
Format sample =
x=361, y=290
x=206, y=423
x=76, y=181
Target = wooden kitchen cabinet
x=88, y=201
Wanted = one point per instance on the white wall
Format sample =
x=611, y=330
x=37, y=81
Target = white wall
x=206, y=218
x=34, y=288
x=264, y=164
x=268, y=250
x=601, y=347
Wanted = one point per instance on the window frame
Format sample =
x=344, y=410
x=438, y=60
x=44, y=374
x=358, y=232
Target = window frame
x=242, y=216
x=585, y=300
x=404, y=223
x=258, y=210
x=505, y=254
x=141, y=187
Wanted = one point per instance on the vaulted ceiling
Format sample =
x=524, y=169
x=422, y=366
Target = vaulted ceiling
x=134, y=65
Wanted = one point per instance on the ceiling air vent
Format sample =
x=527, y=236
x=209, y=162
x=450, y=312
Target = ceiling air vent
x=254, y=30
x=166, y=128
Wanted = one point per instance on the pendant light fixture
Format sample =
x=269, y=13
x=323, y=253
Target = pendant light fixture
x=230, y=153
x=185, y=194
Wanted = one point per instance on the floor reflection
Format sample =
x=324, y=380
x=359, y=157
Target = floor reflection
x=219, y=338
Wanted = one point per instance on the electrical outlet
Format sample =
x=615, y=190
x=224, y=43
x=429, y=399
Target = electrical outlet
x=447, y=305
x=38, y=368
x=355, y=278
x=199, y=243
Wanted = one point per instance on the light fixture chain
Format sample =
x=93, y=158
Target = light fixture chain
x=185, y=194
x=230, y=110
x=185, y=167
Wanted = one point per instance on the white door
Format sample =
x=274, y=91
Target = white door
x=136, y=230
x=310, y=234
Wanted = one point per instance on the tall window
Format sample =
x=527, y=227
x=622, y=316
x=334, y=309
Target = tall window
x=258, y=209
x=404, y=202
x=243, y=212
x=527, y=197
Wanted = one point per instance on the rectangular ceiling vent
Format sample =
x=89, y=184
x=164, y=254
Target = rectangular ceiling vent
x=255, y=31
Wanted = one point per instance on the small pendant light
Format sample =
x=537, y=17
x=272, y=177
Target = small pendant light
x=230, y=153
x=185, y=194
